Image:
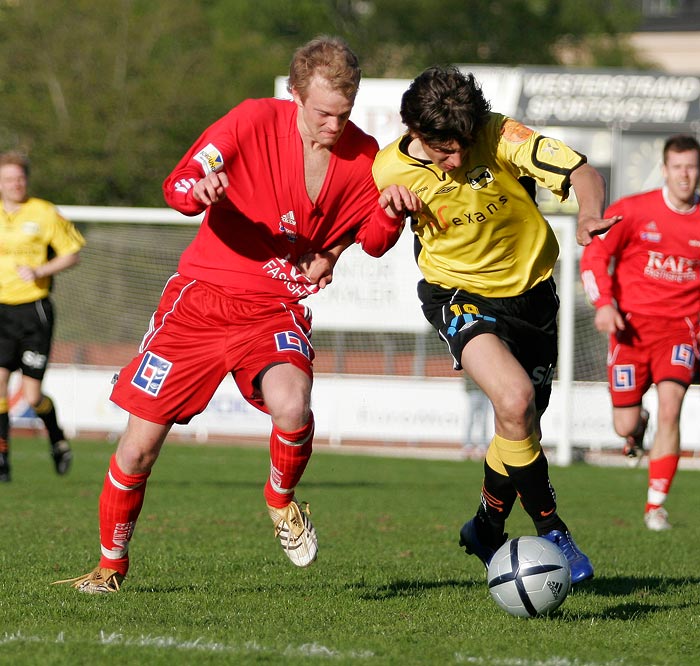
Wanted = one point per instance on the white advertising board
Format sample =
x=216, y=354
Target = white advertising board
x=371, y=409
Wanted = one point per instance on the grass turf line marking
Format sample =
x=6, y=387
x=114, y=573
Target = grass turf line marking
x=197, y=644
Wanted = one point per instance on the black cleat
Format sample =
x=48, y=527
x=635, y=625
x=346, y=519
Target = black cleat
x=634, y=444
x=469, y=539
x=62, y=456
x=4, y=467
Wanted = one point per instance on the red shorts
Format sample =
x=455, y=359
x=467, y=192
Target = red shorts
x=197, y=335
x=650, y=350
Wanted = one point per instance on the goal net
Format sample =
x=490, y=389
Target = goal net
x=367, y=325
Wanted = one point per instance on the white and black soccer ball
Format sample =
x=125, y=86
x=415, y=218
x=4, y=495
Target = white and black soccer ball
x=529, y=576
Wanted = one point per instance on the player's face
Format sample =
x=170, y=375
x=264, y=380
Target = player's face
x=446, y=157
x=682, y=173
x=323, y=114
x=13, y=183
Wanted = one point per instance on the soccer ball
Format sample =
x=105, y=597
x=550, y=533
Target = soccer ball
x=529, y=576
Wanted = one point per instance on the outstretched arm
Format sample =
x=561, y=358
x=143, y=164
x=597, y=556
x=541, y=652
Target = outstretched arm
x=589, y=186
x=318, y=266
x=378, y=235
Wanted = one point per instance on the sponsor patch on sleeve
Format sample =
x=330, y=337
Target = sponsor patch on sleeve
x=210, y=158
x=515, y=132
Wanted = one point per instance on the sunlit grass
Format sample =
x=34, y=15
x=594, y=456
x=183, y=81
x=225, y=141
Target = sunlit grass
x=209, y=584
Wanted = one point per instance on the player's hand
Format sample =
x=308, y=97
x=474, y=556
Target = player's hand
x=27, y=273
x=608, y=320
x=318, y=267
x=589, y=226
x=397, y=201
x=211, y=189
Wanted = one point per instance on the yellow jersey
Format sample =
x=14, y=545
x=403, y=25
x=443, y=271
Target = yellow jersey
x=27, y=237
x=480, y=230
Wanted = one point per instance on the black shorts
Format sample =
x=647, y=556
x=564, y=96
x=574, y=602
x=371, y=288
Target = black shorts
x=526, y=323
x=26, y=331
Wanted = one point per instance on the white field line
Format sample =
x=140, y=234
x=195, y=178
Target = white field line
x=291, y=651
x=197, y=644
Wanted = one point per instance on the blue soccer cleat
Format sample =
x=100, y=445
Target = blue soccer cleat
x=580, y=565
x=474, y=546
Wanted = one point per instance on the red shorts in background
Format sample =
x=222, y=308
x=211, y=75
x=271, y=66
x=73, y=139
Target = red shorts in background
x=650, y=350
x=199, y=334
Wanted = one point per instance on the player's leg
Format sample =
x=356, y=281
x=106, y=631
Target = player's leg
x=665, y=453
x=173, y=378
x=515, y=450
x=286, y=391
x=495, y=370
x=272, y=359
x=45, y=409
x=38, y=324
x=120, y=503
x=631, y=424
x=629, y=378
x=5, y=473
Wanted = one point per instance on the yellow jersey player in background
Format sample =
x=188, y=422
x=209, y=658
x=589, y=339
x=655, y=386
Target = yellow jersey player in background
x=35, y=244
x=487, y=256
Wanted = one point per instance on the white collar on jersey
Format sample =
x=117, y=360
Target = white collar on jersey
x=667, y=201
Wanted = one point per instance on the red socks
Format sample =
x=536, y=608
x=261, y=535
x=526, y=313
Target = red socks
x=289, y=454
x=120, y=504
x=661, y=473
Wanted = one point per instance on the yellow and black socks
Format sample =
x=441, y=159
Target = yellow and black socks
x=46, y=411
x=4, y=440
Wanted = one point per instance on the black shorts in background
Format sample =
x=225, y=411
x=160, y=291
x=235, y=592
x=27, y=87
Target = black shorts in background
x=26, y=331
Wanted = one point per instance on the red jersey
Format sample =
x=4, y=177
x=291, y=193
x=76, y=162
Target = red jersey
x=655, y=254
x=252, y=241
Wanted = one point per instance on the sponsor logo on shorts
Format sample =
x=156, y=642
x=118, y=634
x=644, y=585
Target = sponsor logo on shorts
x=291, y=341
x=34, y=360
x=151, y=374
x=624, y=378
x=683, y=355
x=465, y=321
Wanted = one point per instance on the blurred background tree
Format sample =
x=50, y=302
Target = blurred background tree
x=106, y=95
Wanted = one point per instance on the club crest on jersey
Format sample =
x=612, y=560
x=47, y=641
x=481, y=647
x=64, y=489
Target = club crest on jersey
x=210, y=158
x=291, y=341
x=151, y=374
x=624, y=378
x=30, y=228
x=479, y=177
x=288, y=226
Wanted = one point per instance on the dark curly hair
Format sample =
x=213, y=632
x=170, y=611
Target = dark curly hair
x=443, y=105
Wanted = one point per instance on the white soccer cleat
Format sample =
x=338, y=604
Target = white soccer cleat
x=296, y=533
x=657, y=520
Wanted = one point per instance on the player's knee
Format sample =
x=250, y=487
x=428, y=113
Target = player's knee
x=292, y=415
x=516, y=405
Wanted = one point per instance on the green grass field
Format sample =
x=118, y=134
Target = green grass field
x=209, y=584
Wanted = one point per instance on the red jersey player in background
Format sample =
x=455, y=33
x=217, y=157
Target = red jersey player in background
x=643, y=277
x=283, y=184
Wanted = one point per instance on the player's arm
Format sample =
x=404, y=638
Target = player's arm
x=589, y=187
x=377, y=235
x=51, y=267
x=318, y=266
x=382, y=230
x=596, y=267
x=200, y=179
